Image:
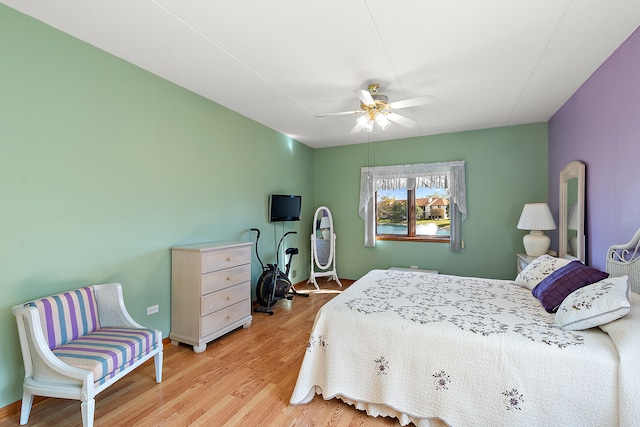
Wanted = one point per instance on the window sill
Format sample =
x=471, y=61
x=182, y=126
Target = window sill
x=432, y=239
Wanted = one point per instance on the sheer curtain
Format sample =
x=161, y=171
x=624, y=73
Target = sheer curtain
x=448, y=176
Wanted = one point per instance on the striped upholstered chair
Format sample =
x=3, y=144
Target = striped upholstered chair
x=77, y=343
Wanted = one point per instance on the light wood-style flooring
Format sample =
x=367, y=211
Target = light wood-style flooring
x=244, y=378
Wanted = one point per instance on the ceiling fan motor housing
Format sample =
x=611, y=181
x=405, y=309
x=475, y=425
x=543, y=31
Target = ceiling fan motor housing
x=381, y=103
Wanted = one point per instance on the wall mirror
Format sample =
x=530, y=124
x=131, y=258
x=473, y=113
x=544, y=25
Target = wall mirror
x=323, y=247
x=572, y=207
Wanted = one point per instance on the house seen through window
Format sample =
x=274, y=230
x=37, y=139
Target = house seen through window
x=416, y=214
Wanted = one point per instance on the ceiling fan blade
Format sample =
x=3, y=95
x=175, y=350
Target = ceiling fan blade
x=413, y=102
x=358, y=127
x=342, y=113
x=364, y=96
x=401, y=120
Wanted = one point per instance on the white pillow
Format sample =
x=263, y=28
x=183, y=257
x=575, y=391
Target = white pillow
x=593, y=305
x=538, y=269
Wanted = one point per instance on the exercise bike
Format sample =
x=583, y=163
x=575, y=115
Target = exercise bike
x=273, y=284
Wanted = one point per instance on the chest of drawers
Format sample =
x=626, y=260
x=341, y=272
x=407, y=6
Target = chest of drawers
x=210, y=291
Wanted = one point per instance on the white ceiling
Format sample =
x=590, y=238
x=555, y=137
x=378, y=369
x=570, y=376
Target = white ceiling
x=488, y=63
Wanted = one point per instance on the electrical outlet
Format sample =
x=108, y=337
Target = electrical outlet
x=153, y=309
x=294, y=273
x=415, y=267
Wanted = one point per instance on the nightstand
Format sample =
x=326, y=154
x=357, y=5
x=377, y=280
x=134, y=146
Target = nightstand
x=522, y=260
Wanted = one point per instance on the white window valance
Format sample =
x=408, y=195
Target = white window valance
x=449, y=176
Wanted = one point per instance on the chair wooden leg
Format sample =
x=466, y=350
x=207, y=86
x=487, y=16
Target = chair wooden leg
x=27, y=402
x=88, y=408
x=157, y=361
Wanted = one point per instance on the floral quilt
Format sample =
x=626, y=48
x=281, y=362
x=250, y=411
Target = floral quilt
x=430, y=348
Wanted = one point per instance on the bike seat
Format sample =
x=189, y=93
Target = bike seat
x=292, y=251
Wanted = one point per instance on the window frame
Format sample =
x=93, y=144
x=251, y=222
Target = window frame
x=447, y=175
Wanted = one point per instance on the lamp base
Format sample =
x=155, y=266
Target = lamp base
x=536, y=243
x=326, y=234
x=573, y=245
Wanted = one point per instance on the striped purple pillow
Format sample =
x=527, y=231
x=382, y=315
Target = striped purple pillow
x=554, y=288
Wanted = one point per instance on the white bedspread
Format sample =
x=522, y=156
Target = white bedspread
x=467, y=351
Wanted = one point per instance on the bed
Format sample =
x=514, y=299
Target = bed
x=437, y=350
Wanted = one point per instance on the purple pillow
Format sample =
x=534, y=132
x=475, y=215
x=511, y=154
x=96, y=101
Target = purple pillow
x=554, y=288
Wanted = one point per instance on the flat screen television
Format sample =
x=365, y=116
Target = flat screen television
x=285, y=207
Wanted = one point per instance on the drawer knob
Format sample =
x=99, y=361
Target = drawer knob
x=229, y=277
x=228, y=316
x=228, y=297
x=228, y=258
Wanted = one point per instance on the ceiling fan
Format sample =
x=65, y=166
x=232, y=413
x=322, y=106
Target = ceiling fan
x=376, y=108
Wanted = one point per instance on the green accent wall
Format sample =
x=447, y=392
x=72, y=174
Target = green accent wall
x=505, y=168
x=104, y=166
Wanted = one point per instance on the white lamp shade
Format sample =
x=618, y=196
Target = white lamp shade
x=382, y=121
x=536, y=217
x=368, y=127
x=572, y=223
x=325, y=228
x=324, y=222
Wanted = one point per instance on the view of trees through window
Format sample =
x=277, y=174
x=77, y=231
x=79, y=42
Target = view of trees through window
x=423, y=212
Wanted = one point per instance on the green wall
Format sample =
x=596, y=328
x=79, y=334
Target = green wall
x=505, y=168
x=104, y=166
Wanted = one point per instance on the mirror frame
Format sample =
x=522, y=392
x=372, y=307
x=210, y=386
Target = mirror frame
x=574, y=169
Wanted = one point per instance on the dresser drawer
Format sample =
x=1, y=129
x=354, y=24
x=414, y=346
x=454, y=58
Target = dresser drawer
x=231, y=257
x=222, y=279
x=225, y=317
x=218, y=300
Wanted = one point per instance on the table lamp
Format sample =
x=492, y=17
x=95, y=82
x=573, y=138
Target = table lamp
x=536, y=217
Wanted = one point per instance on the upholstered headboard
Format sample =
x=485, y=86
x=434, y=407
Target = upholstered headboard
x=625, y=260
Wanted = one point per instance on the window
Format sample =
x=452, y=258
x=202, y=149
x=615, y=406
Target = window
x=418, y=214
x=411, y=196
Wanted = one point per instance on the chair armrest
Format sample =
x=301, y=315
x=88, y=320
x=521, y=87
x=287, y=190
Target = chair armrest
x=39, y=361
x=112, y=311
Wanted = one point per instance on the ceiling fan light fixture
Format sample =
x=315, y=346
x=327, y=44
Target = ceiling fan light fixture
x=382, y=121
x=362, y=120
x=368, y=126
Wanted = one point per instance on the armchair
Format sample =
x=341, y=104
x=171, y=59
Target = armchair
x=77, y=343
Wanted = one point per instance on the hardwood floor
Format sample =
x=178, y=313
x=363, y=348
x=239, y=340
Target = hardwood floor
x=244, y=378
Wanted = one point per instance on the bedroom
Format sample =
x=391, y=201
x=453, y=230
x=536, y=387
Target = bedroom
x=99, y=194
